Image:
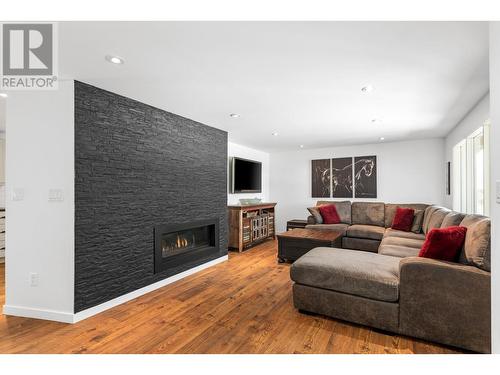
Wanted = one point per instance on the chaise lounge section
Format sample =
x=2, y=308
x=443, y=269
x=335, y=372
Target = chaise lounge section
x=387, y=286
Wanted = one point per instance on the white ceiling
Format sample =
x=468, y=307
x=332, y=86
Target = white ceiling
x=301, y=79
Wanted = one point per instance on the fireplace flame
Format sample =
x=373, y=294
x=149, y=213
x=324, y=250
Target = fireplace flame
x=177, y=243
x=181, y=242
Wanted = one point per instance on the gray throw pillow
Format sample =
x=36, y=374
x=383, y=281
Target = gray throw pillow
x=316, y=214
x=477, y=246
x=418, y=219
x=453, y=219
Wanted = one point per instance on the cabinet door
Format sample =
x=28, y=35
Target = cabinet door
x=255, y=229
x=246, y=231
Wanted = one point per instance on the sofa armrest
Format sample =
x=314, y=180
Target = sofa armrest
x=445, y=302
x=311, y=219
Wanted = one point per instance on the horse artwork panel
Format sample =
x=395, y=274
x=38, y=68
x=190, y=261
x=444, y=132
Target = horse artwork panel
x=365, y=177
x=320, y=175
x=342, y=178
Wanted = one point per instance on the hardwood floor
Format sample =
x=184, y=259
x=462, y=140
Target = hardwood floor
x=240, y=306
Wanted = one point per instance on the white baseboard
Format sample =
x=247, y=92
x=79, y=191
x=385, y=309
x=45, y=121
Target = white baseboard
x=28, y=312
x=74, y=318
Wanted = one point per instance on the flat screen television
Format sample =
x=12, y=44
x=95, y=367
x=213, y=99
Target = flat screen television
x=246, y=176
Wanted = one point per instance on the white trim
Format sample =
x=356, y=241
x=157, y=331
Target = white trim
x=74, y=318
x=28, y=312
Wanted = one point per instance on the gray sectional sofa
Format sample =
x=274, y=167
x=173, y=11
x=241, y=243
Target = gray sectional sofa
x=387, y=286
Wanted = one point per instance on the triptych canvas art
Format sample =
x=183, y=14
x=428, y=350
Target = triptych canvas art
x=352, y=177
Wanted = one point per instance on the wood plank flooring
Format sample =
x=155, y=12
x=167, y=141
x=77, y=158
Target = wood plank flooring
x=240, y=306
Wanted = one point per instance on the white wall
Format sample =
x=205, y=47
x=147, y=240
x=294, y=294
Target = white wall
x=3, y=102
x=471, y=122
x=495, y=177
x=40, y=234
x=2, y=168
x=251, y=154
x=407, y=172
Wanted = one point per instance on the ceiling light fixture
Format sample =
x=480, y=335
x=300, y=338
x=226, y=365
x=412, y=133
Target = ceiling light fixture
x=114, y=59
x=275, y=134
x=301, y=146
x=367, y=88
x=234, y=115
x=382, y=138
x=3, y=95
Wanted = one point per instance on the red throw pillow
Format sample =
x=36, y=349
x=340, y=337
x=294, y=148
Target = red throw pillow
x=403, y=220
x=444, y=243
x=329, y=214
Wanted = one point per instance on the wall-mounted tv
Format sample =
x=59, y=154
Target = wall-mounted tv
x=246, y=176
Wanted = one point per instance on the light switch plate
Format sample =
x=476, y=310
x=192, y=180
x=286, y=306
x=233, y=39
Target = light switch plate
x=498, y=191
x=34, y=279
x=17, y=194
x=56, y=195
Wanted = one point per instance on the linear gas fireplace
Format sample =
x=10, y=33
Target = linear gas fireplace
x=180, y=244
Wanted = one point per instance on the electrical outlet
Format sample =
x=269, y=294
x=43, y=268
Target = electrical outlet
x=34, y=279
x=56, y=195
x=17, y=194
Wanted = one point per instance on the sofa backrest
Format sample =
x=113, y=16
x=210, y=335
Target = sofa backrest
x=477, y=247
x=434, y=217
x=453, y=219
x=343, y=209
x=390, y=210
x=368, y=213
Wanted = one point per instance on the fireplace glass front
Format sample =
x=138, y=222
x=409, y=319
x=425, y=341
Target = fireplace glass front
x=185, y=240
x=177, y=246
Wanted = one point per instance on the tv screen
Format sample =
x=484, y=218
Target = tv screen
x=247, y=176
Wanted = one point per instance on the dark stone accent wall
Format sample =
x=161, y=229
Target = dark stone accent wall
x=137, y=166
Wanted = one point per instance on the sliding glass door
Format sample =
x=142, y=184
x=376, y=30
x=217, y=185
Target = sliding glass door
x=471, y=173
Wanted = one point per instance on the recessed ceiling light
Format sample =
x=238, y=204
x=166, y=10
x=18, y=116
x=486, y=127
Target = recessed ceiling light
x=3, y=95
x=234, y=115
x=367, y=88
x=301, y=146
x=382, y=138
x=114, y=59
x=275, y=134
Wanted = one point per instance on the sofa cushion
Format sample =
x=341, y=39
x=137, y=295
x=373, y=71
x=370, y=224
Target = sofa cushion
x=389, y=232
x=427, y=216
x=364, y=244
x=443, y=243
x=366, y=231
x=413, y=243
x=343, y=209
x=403, y=220
x=453, y=219
x=337, y=227
x=398, y=251
x=477, y=247
x=390, y=210
x=353, y=272
x=437, y=218
x=314, y=211
x=368, y=213
x=470, y=220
